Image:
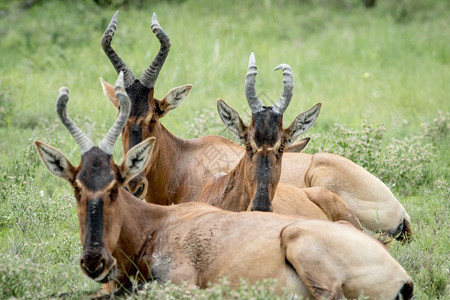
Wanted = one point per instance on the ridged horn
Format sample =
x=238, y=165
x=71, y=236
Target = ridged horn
x=116, y=61
x=250, y=92
x=80, y=138
x=149, y=76
x=108, y=141
x=288, y=87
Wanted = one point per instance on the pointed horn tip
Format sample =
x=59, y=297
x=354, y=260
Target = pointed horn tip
x=283, y=67
x=114, y=18
x=155, y=19
x=252, y=60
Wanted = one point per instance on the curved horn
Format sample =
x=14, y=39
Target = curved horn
x=250, y=92
x=288, y=87
x=108, y=141
x=80, y=138
x=116, y=61
x=148, y=78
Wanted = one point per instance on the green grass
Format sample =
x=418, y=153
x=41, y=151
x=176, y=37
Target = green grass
x=388, y=67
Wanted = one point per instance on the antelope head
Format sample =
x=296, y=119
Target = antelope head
x=266, y=139
x=98, y=185
x=146, y=110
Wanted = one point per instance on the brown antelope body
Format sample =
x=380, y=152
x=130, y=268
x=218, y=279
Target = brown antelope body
x=196, y=243
x=180, y=168
x=254, y=183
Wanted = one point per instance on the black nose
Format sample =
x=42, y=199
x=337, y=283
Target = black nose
x=398, y=231
x=93, y=265
x=406, y=292
x=405, y=232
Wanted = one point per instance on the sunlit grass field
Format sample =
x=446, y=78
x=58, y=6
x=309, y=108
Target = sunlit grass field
x=382, y=75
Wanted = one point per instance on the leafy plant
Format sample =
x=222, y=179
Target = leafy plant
x=402, y=163
x=439, y=129
x=19, y=278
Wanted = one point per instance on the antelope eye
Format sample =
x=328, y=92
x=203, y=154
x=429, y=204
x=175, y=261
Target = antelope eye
x=112, y=190
x=77, y=192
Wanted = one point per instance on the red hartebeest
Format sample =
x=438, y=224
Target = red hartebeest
x=124, y=237
x=253, y=183
x=180, y=168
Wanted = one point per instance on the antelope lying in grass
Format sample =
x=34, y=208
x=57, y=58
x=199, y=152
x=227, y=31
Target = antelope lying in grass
x=124, y=237
x=253, y=183
x=180, y=168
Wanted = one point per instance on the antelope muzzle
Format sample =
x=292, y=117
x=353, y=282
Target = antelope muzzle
x=98, y=264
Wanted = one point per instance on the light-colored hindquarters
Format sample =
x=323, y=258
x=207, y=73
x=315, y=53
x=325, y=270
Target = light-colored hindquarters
x=369, y=198
x=335, y=260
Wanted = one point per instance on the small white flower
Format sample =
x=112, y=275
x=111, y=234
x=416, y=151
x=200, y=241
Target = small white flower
x=41, y=192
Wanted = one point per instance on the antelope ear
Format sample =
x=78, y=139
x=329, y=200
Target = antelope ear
x=298, y=146
x=173, y=99
x=231, y=120
x=55, y=161
x=302, y=123
x=108, y=91
x=136, y=159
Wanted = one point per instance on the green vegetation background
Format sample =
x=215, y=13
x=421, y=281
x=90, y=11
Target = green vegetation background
x=382, y=75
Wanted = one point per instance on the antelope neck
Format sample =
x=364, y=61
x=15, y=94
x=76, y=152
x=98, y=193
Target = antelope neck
x=141, y=221
x=167, y=148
